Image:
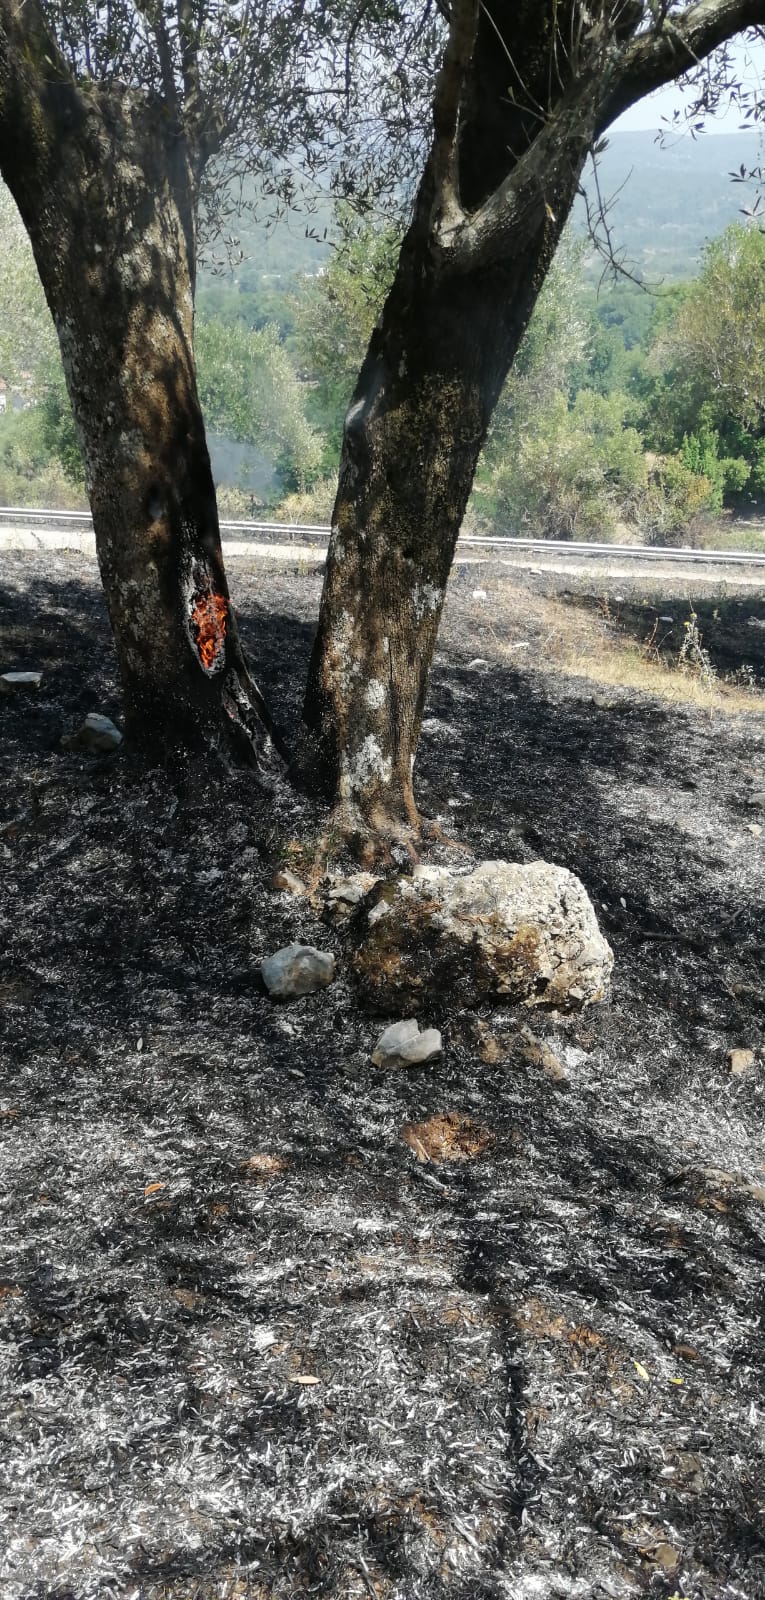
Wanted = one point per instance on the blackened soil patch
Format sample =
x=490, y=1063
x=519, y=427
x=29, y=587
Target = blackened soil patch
x=340, y=1369
x=728, y=628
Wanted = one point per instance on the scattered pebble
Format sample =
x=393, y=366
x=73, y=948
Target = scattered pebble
x=403, y=1045
x=19, y=682
x=480, y=594
x=97, y=733
x=296, y=970
x=755, y=828
x=349, y=891
x=740, y=1061
x=287, y=882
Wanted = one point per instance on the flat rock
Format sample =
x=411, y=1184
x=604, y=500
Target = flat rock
x=296, y=970
x=403, y=1045
x=19, y=682
x=96, y=733
x=522, y=933
x=740, y=1061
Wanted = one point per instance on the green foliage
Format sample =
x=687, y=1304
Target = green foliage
x=706, y=369
x=58, y=429
x=556, y=466
x=28, y=342
x=29, y=473
x=674, y=503
x=573, y=470
x=336, y=313
x=250, y=393
x=699, y=455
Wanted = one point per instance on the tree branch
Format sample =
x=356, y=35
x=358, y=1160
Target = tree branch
x=446, y=109
x=38, y=96
x=675, y=46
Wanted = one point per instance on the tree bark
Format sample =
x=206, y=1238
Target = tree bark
x=413, y=435
x=412, y=438
x=106, y=187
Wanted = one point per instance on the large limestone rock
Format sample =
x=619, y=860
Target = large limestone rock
x=525, y=934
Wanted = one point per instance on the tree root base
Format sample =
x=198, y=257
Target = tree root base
x=384, y=840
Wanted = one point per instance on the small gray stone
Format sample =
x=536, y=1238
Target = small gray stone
x=403, y=1045
x=19, y=682
x=97, y=733
x=478, y=664
x=296, y=970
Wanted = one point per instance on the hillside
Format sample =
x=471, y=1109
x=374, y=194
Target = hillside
x=670, y=199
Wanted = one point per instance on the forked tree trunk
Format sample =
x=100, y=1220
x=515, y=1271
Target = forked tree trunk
x=524, y=90
x=471, y=267
x=107, y=193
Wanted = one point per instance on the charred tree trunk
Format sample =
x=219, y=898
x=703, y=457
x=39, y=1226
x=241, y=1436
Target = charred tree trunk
x=106, y=187
x=414, y=431
x=412, y=439
x=524, y=91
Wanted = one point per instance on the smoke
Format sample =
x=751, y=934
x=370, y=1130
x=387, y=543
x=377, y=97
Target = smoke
x=242, y=466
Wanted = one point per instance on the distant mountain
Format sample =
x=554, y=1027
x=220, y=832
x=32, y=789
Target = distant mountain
x=670, y=199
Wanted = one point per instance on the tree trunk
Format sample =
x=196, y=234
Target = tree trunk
x=412, y=439
x=107, y=190
x=470, y=270
x=523, y=91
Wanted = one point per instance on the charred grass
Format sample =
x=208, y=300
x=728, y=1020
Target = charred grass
x=275, y=1323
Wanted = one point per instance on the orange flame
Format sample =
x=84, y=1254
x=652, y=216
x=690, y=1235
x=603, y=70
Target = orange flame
x=209, y=617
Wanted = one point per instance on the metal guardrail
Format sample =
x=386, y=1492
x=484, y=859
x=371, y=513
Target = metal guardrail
x=275, y=532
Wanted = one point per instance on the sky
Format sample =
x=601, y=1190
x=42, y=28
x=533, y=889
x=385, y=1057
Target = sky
x=648, y=114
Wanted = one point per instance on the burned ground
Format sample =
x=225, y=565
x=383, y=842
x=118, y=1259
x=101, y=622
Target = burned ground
x=253, y=1343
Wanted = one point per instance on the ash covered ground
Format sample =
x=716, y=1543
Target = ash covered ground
x=252, y=1345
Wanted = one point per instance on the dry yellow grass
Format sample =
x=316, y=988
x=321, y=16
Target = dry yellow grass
x=581, y=644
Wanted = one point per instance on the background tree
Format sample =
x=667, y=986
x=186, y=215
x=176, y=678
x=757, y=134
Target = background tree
x=523, y=94
x=250, y=392
x=708, y=361
x=336, y=312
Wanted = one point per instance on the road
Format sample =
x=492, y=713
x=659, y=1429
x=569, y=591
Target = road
x=39, y=529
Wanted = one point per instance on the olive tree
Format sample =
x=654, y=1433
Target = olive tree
x=524, y=93
x=112, y=118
